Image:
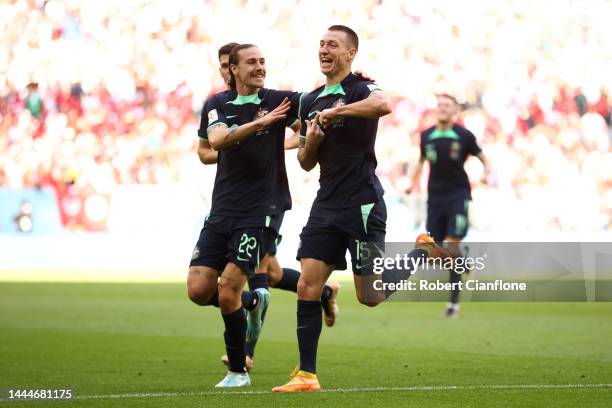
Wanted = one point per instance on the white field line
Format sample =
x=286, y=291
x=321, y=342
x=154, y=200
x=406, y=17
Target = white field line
x=351, y=390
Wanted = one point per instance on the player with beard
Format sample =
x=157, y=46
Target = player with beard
x=280, y=278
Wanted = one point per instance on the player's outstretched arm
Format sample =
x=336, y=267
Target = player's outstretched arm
x=372, y=107
x=206, y=153
x=415, y=176
x=309, y=144
x=487, y=168
x=294, y=141
x=221, y=137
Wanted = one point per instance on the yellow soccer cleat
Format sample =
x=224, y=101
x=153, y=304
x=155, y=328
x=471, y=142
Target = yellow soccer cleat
x=300, y=381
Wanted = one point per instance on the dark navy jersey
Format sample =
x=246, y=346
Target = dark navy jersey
x=251, y=175
x=346, y=155
x=447, y=151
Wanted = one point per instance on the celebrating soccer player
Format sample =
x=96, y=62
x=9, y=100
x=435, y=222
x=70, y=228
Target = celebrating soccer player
x=447, y=146
x=246, y=125
x=339, y=124
x=200, y=283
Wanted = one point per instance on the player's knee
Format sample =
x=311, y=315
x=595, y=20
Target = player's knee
x=229, y=299
x=309, y=290
x=304, y=287
x=200, y=286
x=199, y=294
x=274, y=276
x=370, y=301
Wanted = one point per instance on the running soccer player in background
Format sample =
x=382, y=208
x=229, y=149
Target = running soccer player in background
x=280, y=278
x=446, y=146
x=339, y=124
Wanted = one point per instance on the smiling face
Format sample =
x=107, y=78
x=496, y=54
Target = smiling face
x=336, y=53
x=250, y=70
x=447, y=109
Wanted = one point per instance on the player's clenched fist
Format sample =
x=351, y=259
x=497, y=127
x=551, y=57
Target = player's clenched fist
x=314, y=133
x=328, y=117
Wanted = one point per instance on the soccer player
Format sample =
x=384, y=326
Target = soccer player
x=206, y=153
x=281, y=278
x=339, y=124
x=246, y=126
x=446, y=146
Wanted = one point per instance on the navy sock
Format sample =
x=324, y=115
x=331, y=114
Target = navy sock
x=399, y=275
x=325, y=297
x=259, y=280
x=214, y=300
x=249, y=300
x=289, y=280
x=235, y=336
x=455, y=278
x=309, y=323
x=250, y=349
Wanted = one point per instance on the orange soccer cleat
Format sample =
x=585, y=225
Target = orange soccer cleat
x=427, y=244
x=300, y=381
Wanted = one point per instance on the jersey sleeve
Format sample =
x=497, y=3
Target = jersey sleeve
x=364, y=89
x=212, y=116
x=303, y=113
x=473, y=147
x=203, y=124
x=294, y=99
x=422, y=144
x=293, y=115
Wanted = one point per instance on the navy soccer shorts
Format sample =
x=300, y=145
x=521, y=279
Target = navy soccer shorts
x=330, y=232
x=447, y=216
x=241, y=240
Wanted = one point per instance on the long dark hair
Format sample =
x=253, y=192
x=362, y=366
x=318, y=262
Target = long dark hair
x=233, y=60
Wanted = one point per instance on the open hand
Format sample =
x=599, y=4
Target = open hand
x=279, y=113
x=363, y=75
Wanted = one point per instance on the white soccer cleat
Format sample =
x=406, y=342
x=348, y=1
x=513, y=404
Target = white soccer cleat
x=249, y=362
x=234, y=380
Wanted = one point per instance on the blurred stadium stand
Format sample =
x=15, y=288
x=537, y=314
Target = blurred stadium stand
x=100, y=101
x=43, y=203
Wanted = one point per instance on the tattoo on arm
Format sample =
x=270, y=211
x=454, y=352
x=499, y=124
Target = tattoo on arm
x=231, y=132
x=302, y=142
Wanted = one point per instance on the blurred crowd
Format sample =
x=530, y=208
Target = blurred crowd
x=95, y=94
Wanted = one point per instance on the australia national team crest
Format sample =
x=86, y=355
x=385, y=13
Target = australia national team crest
x=261, y=112
x=339, y=122
x=455, y=150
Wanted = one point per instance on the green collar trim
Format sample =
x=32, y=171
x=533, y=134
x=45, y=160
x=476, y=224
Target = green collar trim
x=330, y=90
x=244, y=99
x=440, y=134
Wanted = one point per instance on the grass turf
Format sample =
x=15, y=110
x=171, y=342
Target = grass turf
x=118, y=339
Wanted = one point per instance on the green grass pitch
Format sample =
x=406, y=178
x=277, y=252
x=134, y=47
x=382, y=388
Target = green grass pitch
x=146, y=345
